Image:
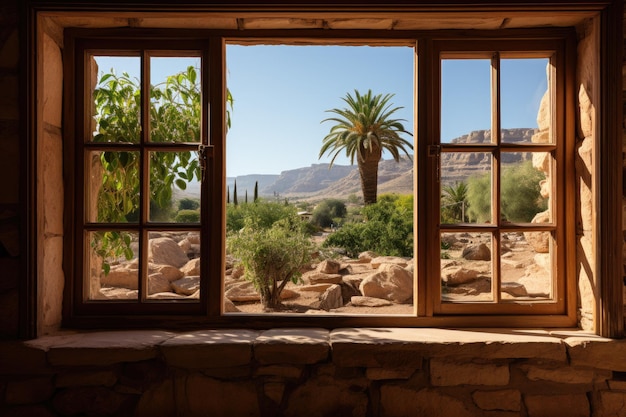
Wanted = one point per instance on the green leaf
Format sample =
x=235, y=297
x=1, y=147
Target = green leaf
x=181, y=184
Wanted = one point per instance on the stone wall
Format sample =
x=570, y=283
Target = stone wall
x=314, y=372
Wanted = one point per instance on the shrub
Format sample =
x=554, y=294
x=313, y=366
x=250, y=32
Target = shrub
x=328, y=212
x=188, y=204
x=388, y=229
x=272, y=256
x=263, y=214
x=188, y=216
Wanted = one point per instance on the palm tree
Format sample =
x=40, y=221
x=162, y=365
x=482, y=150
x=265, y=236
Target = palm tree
x=364, y=129
x=454, y=202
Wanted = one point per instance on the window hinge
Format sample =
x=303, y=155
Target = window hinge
x=434, y=151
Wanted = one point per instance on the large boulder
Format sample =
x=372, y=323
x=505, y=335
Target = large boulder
x=395, y=260
x=165, y=251
x=391, y=282
x=329, y=266
x=480, y=252
x=331, y=298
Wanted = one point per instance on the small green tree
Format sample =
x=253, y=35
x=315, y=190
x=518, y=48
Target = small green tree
x=520, y=194
x=188, y=204
x=272, y=257
x=329, y=211
x=454, y=203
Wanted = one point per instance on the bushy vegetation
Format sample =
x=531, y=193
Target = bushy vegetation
x=520, y=194
x=329, y=212
x=272, y=254
x=387, y=230
x=187, y=216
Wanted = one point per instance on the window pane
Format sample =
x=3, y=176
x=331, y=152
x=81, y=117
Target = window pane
x=465, y=101
x=523, y=189
x=466, y=187
x=525, y=101
x=285, y=97
x=174, y=187
x=112, y=265
x=112, y=189
x=175, y=99
x=116, y=109
x=526, y=264
x=174, y=265
x=466, y=267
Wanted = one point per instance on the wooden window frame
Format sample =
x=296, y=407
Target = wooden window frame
x=209, y=311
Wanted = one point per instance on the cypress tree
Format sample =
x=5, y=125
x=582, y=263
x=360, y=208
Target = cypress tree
x=235, y=194
x=256, y=191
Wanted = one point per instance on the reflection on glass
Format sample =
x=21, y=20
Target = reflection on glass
x=526, y=265
x=525, y=100
x=465, y=101
x=466, y=187
x=466, y=267
x=112, y=266
x=521, y=184
x=174, y=187
x=175, y=99
x=116, y=99
x=112, y=192
x=174, y=265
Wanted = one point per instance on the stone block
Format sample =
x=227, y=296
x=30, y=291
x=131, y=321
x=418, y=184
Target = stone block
x=327, y=396
x=18, y=358
x=9, y=51
x=280, y=371
x=501, y=400
x=570, y=405
x=95, y=401
x=210, y=397
x=378, y=374
x=9, y=314
x=89, y=379
x=565, y=374
x=597, y=352
x=400, y=401
x=29, y=391
x=292, y=346
x=446, y=373
x=101, y=348
x=209, y=349
x=390, y=347
x=158, y=400
x=612, y=403
x=9, y=84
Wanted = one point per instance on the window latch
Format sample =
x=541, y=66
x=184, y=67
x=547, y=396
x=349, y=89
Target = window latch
x=434, y=151
x=202, y=158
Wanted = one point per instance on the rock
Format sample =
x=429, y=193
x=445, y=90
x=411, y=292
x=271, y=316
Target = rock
x=120, y=276
x=480, y=252
x=461, y=276
x=238, y=271
x=390, y=282
x=539, y=241
x=187, y=285
x=329, y=266
x=360, y=301
x=514, y=288
x=191, y=268
x=243, y=291
x=331, y=298
x=158, y=282
x=168, y=271
x=315, y=287
x=315, y=277
x=166, y=251
x=366, y=257
x=115, y=293
x=395, y=260
x=229, y=307
x=348, y=290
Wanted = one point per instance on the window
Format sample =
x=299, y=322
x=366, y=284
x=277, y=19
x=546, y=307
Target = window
x=500, y=188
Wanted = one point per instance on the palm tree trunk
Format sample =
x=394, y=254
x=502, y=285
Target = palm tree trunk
x=368, y=170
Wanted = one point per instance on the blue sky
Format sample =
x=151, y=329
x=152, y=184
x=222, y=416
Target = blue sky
x=281, y=95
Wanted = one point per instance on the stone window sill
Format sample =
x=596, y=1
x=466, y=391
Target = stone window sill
x=350, y=347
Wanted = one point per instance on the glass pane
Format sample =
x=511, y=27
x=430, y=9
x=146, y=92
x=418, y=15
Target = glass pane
x=116, y=99
x=466, y=187
x=174, y=265
x=112, y=266
x=175, y=99
x=526, y=264
x=524, y=188
x=525, y=100
x=466, y=101
x=174, y=187
x=466, y=267
x=112, y=191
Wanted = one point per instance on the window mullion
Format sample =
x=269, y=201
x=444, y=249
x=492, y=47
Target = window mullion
x=495, y=178
x=144, y=177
